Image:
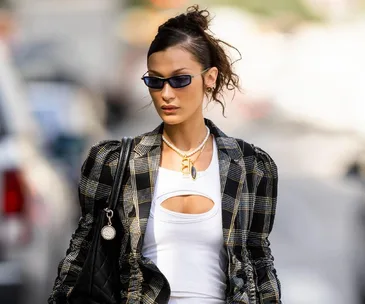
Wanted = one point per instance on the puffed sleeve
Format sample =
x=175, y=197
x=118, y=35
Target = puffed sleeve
x=258, y=245
x=94, y=188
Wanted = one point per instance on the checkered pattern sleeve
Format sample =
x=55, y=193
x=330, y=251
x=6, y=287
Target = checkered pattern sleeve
x=268, y=284
x=94, y=188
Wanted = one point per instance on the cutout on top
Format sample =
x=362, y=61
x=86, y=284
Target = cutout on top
x=188, y=204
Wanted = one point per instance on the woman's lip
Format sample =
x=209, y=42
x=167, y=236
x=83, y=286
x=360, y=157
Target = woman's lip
x=169, y=108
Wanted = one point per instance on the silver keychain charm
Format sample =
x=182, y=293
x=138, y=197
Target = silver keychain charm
x=108, y=232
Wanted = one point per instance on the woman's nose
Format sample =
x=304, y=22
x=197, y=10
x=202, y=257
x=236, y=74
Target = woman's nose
x=167, y=92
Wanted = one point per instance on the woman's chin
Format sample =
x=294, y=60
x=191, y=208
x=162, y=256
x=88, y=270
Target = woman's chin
x=172, y=119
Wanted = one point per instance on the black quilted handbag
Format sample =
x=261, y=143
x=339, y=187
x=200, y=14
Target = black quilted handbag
x=99, y=280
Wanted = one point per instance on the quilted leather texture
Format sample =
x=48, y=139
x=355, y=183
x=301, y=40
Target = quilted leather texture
x=99, y=280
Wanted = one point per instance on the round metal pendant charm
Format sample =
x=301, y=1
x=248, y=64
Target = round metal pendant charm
x=108, y=233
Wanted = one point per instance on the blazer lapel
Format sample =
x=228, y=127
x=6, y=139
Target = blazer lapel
x=144, y=164
x=232, y=178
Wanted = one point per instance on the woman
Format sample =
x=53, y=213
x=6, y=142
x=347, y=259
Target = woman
x=202, y=204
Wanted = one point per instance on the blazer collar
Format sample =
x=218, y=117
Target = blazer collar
x=148, y=141
x=152, y=140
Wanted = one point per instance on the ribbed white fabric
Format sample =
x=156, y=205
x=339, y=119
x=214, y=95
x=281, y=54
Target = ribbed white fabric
x=188, y=248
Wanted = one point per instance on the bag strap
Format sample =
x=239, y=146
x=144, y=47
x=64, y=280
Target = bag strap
x=126, y=147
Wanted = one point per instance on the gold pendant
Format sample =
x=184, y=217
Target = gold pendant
x=186, y=165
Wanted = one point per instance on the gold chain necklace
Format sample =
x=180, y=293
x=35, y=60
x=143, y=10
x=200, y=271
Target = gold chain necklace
x=187, y=165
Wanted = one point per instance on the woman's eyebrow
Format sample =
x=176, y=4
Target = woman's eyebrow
x=174, y=72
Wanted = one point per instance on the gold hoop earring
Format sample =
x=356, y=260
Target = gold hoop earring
x=210, y=89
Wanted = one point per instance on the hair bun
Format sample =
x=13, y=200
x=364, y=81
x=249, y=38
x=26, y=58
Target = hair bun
x=197, y=17
x=193, y=21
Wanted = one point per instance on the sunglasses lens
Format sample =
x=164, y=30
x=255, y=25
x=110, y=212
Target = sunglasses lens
x=153, y=82
x=180, y=81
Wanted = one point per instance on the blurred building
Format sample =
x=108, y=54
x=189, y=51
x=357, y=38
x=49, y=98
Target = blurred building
x=335, y=9
x=75, y=36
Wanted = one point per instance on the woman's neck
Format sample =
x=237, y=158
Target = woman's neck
x=187, y=135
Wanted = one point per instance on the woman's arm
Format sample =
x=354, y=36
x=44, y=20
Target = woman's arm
x=258, y=244
x=94, y=188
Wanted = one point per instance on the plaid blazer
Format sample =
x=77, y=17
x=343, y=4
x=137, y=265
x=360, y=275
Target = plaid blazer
x=249, y=181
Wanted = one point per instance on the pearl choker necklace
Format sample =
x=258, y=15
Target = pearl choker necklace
x=183, y=153
x=187, y=165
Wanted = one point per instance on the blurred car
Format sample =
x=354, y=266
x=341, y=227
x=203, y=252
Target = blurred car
x=71, y=119
x=35, y=199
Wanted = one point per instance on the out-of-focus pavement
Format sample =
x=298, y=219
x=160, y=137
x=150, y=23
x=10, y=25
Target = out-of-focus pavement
x=316, y=231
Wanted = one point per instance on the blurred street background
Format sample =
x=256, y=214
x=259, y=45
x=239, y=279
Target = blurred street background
x=70, y=76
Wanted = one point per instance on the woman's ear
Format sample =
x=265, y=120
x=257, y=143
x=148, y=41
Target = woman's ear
x=210, y=77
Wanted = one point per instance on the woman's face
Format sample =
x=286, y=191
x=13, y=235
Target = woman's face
x=178, y=105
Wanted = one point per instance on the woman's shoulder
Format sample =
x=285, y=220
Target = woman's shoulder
x=262, y=160
x=97, y=174
x=104, y=152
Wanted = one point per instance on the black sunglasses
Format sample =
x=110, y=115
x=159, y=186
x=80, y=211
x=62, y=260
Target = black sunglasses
x=176, y=82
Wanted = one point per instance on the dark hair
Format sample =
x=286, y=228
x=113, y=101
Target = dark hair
x=191, y=32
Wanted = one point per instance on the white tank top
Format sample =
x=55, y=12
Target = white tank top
x=188, y=248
